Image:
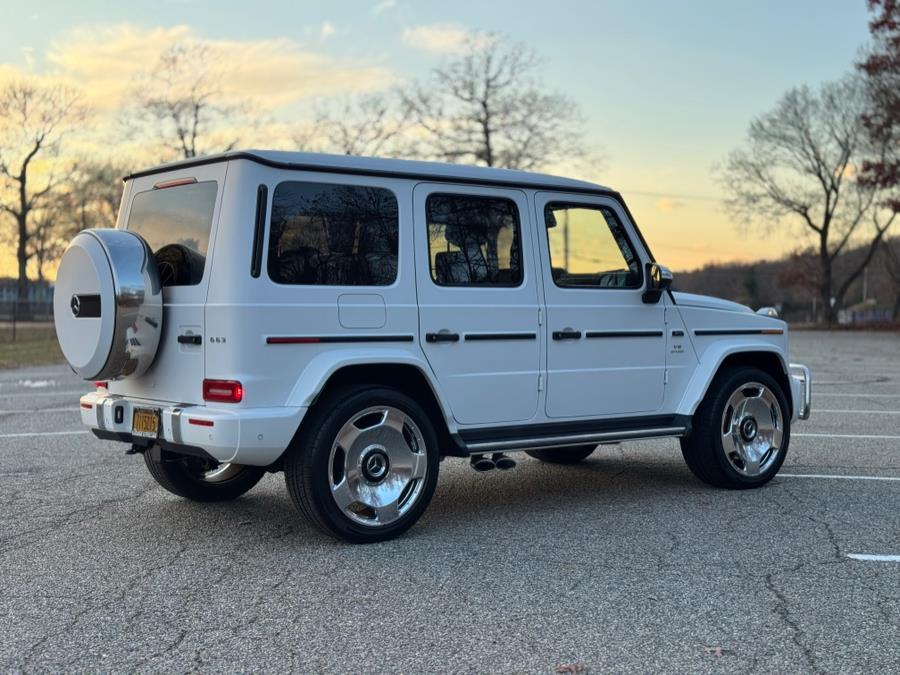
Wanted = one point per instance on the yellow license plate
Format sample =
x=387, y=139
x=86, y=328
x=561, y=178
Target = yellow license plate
x=145, y=422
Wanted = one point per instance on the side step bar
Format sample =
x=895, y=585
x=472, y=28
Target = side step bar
x=563, y=434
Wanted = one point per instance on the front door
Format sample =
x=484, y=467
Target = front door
x=606, y=349
x=478, y=300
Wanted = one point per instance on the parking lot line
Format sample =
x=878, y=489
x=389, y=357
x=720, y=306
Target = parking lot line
x=854, y=395
x=828, y=476
x=34, y=394
x=68, y=408
x=876, y=437
x=45, y=433
x=874, y=557
x=858, y=412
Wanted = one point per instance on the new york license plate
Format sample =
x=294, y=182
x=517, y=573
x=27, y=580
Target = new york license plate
x=145, y=422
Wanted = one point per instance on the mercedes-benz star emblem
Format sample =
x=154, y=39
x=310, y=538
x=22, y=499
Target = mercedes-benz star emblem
x=75, y=304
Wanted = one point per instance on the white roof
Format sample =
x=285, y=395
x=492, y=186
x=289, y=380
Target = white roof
x=379, y=165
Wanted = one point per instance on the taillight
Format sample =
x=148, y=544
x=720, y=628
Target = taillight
x=101, y=385
x=223, y=391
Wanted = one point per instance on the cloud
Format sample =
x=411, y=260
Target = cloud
x=106, y=60
x=668, y=205
x=327, y=30
x=436, y=38
x=383, y=6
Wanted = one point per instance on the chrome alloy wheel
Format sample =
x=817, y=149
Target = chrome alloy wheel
x=377, y=466
x=752, y=429
x=220, y=473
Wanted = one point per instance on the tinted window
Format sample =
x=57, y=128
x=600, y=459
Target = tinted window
x=334, y=235
x=473, y=241
x=589, y=247
x=175, y=222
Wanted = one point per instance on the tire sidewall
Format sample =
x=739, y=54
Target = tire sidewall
x=341, y=410
x=724, y=388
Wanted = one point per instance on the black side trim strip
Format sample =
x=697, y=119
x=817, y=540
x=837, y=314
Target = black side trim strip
x=623, y=333
x=739, y=331
x=571, y=428
x=677, y=333
x=413, y=175
x=334, y=339
x=262, y=200
x=478, y=337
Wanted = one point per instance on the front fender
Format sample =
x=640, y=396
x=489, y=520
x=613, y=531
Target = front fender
x=711, y=360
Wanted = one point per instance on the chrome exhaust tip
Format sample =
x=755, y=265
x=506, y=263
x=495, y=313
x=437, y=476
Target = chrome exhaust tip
x=482, y=463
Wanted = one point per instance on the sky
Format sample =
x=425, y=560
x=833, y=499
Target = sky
x=666, y=89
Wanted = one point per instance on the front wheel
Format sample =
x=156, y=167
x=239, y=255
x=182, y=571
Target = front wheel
x=741, y=431
x=201, y=480
x=366, y=465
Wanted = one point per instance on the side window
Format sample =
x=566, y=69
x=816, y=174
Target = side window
x=589, y=248
x=333, y=235
x=473, y=240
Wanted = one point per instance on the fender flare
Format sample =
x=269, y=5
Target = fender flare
x=709, y=366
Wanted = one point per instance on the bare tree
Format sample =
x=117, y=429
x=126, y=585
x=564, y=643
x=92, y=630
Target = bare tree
x=364, y=124
x=488, y=107
x=34, y=119
x=800, y=162
x=180, y=100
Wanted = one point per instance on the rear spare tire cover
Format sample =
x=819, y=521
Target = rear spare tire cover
x=107, y=305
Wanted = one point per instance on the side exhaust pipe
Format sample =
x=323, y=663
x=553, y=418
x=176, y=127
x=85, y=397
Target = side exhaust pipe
x=498, y=460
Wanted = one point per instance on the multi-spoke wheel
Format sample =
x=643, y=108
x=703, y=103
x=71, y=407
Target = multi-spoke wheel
x=366, y=465
x=740, y=432
x=199, y=479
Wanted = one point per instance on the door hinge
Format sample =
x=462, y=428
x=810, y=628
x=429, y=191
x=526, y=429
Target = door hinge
x=540, y=383
x=540, y=316
x=666, y=376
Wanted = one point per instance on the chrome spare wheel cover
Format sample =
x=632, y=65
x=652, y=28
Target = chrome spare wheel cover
x=377, y=466
x=752, y=429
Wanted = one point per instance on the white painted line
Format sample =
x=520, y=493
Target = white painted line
x=826, y=476
x=858, y=412
x=817, y=394
x=44, y=433
x=34, y=394
x=876, y=437
x=872, y=557
x=68, y=408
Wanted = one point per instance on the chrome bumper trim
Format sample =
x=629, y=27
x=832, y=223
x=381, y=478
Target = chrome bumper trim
x=803, y=374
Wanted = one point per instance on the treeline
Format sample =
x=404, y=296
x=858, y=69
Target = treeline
x=790, y=285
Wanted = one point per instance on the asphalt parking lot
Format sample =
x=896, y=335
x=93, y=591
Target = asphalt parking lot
x=625, y=563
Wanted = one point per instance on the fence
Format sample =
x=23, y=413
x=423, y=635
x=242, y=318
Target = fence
x=26, y=319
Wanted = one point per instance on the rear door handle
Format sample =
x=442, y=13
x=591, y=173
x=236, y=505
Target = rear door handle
x=190, y=339
x=567, y=334
x=443, y=336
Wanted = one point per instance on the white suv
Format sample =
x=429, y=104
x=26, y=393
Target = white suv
x=351, y=321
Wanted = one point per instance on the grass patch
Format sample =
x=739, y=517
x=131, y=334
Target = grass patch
x=35, y=345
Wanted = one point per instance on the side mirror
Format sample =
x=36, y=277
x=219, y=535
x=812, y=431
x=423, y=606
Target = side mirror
x=659, y=278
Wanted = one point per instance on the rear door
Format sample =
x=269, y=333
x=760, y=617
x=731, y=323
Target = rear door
x=478, y=300
x=176, y=212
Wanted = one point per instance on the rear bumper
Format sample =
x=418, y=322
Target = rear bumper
x=254, y=436
x=801, y=389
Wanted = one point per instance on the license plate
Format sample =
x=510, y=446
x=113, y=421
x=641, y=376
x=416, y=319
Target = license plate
x=145, y=422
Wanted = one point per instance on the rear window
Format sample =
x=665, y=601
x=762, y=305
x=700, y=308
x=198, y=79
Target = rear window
x=333, y=235
x=176, y=222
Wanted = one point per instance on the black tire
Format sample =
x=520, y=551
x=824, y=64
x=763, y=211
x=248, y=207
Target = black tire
x=573, y=455
x=309, y=466
x=704, y=450
x=185, y=477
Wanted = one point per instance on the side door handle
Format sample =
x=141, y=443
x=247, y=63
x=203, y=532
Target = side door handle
x=443, y=336
x=567, y=334
x=190, y=339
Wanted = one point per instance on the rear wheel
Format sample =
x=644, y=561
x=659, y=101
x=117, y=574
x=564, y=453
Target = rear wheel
x=201, y=480
x=365, y=467
x=741, y=431
x=573, y=455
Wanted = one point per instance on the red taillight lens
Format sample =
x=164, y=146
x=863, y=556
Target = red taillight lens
x=101, y=385
x=223, y=391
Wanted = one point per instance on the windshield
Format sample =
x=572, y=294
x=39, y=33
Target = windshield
x=176, y=222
